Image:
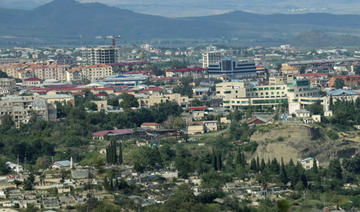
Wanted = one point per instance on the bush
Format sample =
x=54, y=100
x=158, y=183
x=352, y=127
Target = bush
x=332, y=135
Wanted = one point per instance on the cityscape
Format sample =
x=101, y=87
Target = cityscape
x=107, y=123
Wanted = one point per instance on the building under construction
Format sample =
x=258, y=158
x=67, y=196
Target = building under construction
x=101, y=55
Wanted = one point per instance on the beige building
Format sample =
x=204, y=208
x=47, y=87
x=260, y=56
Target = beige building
x=211, y=126
x=89, y=72
x=308, y=163
x=22, y=108
x=243, y=94
x=101, y=105
x=7, y=86
x=45, y=72
x=211, y=58
x=151, y=125
x=12, y=70
x=52, y=97
x=195, y=128
x=158, y=98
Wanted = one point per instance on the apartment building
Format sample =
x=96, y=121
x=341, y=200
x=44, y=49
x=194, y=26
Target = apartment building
x=349, y=80
x=211, y=58
x=45, y=72
x=195, y=72
x=89, y=72
x=243, y=94
x=7, y=85
x=101, y=55
x=22, y=108
x=12, y=70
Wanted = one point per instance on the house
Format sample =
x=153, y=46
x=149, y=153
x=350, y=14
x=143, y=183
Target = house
x=210, y=126
x=61, y=164
x=151, y=125
x=225, y=120
x=198, y=113
x=15, y=167
x=31, y=81
x=308, y=163
x=257, y=120
x=308, y=120
x=316, y=118
x=302, y=113
x=122, y=132
x=196, y=128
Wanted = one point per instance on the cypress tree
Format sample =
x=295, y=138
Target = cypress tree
x=219, y=162
x=315, y=168
x=253, y=165
x=214, y=160
x=283, y=176
x=262, y=165
x=120, y=154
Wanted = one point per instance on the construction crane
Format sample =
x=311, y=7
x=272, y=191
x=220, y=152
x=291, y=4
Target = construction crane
x=112, y=37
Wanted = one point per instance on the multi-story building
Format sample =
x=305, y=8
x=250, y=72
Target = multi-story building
x=316, y=79
x=195, y=72
x=232, y=69
x=101, y=55
x=45, y=72
x=349, y=80
x=211, y=58
x=89, y=72
x=158, y=98
x=22, y=108
x=244, y=94
x=7, y=85
x=12, y=70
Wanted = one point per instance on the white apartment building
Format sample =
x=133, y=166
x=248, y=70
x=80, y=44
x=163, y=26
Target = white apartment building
x=243, y=94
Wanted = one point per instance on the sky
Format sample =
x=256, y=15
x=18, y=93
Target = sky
x=180, y=8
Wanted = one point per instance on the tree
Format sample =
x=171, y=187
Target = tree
x=195, y=102
x=315, y=168
x=128, y=101
x=173, y=122
x=283, y=176
x=113, y=102
x=283, y=205
x=253, y=165
x=120, y=154
x=339, y=83
x=315, y=109
x=185, y=88
x=3, y=74
x=335, y=170
x=357, y=70
x=91, y=106
x=111, y=156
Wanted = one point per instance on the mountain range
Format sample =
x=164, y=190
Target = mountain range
x=66, y=20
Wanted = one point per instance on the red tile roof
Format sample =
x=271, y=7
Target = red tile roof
x=187, y=69
x=197, y=108
x=313, y=74
x=32, y=79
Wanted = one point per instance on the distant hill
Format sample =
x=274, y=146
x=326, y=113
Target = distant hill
x=66, y=20
x=318, y=39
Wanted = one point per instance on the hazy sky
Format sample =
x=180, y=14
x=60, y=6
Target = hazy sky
x=208, y=7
